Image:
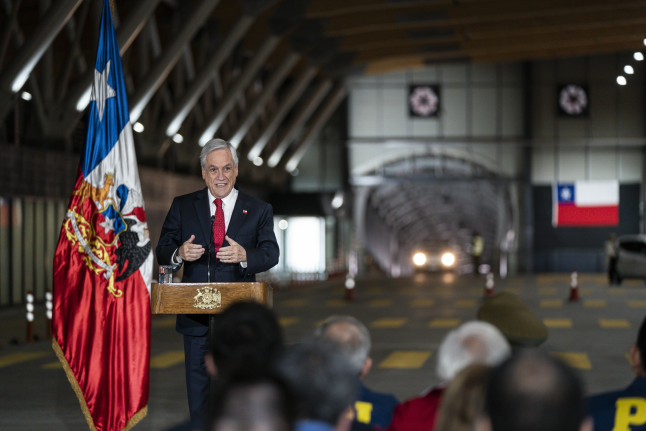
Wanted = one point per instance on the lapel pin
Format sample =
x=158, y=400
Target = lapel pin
x=244, y=211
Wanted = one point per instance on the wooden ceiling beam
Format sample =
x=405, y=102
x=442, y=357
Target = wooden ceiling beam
x=432, y=15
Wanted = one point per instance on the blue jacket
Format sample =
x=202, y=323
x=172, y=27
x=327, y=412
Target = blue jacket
x=623, y=410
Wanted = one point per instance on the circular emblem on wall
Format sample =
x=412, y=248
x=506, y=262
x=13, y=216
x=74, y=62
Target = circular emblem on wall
x=424, y=101
x=573, y=100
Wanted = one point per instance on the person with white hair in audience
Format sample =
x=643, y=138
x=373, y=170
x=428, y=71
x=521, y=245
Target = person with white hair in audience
x=353, y=338
x=473, y=342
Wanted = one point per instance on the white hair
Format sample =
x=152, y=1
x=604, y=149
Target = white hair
x=217, y=144
x=471, y=343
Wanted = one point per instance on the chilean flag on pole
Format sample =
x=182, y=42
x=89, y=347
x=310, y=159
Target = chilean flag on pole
x=586, y=204
x=103, y=261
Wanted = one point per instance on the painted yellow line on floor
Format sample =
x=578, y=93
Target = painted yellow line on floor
x=167, y=359
x=551, y=303
x=464, y=303
x=547, y=291
x=408, y=291
x=585, y=291
x=616, y=292
x=336, y=303
x=574, y=359
x=373, y=290
x=634, y=282
x=52, y=365
x=594, y=303
x=614, y=323
x=166, y=322
x=558, y=323
x=514, y=290
x=301, y=302
x=444, y=323
x=388, y=322
x=16, y=358
x=405, y=359
x=422, y=302
x=287, y=321
x=637, y=304
x=477, y=291
x=382, y=302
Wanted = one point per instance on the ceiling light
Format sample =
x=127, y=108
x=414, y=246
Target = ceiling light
x=25, y=96
x=84, y=100
x=621, y=80
x=283, y=224
x=638, y=56
x=294, y=173
x=138, y=127
x=629, y=70
x=178, y=138
x=258, y=161
x=644, y=41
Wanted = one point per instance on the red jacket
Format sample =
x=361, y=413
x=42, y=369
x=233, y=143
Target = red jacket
x=417, y=414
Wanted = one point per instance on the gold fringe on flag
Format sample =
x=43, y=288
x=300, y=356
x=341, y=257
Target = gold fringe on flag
x=136, y=418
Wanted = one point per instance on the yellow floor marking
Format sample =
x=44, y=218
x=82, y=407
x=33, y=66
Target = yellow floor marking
x=405, y=359
x=286, y=321
x=594, y=303
x=444, y=323
x=614, y=323
x=388, y=322
x=617, y=292
x=167, y=359
x=166, y=322
x=422, y=302
x=295, y=303
x=380, y=302
x=373, y=290
x=477, y=291
x=551, y=303
x=574, y=360
x=634, y=282
x=407, y=291
x=52, y=365
x=15, y=358
x=586, y=291
x=637, y=304
x=320, y=322
x=464, y=303
x=336, y=303
x=514, y=290
x=547, y=291
x=558, y=323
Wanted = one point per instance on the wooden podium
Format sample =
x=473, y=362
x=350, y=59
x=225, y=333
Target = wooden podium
x=206, y=298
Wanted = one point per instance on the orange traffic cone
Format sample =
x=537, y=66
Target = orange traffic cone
x=574, y=287
x=489, y=284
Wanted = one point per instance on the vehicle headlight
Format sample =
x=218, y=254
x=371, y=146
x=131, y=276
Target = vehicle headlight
x=448, y=259
x=419, y=259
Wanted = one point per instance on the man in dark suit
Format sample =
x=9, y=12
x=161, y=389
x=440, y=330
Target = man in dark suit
x=243, y=244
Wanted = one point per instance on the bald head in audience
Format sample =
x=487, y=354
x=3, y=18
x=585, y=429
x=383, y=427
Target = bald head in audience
x=532, y=391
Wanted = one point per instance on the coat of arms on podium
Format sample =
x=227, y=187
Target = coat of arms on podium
x=208, y=298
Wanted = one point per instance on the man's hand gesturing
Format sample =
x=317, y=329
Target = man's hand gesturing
x=234, y=253
x=189, y=251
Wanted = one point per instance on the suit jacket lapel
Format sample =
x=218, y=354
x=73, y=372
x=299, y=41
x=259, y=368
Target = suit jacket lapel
x=203, y=209
x=239, y=213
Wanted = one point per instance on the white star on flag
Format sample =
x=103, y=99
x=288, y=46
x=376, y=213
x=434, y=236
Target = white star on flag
x=101, y=91
x=565, y=194
x=108, y=224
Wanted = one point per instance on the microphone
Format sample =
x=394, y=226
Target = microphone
x=208, y=257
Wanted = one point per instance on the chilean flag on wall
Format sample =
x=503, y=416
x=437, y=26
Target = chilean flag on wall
x=586, y=204
x=103, y=261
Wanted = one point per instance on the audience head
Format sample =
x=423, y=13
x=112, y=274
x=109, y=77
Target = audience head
x=471, y=343
x=322, y=381
x=245, y=401
x=532, y=391
x=353, y=339
x=245, y=333
x=638, y=351
x=463, y=400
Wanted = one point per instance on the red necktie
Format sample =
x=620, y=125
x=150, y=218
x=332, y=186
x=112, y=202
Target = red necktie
x=218, y=225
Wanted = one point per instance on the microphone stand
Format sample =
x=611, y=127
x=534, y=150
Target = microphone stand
x=208, y=257
x=211, y=320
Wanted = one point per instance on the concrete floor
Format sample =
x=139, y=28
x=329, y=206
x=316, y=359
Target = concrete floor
x=407, y=317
